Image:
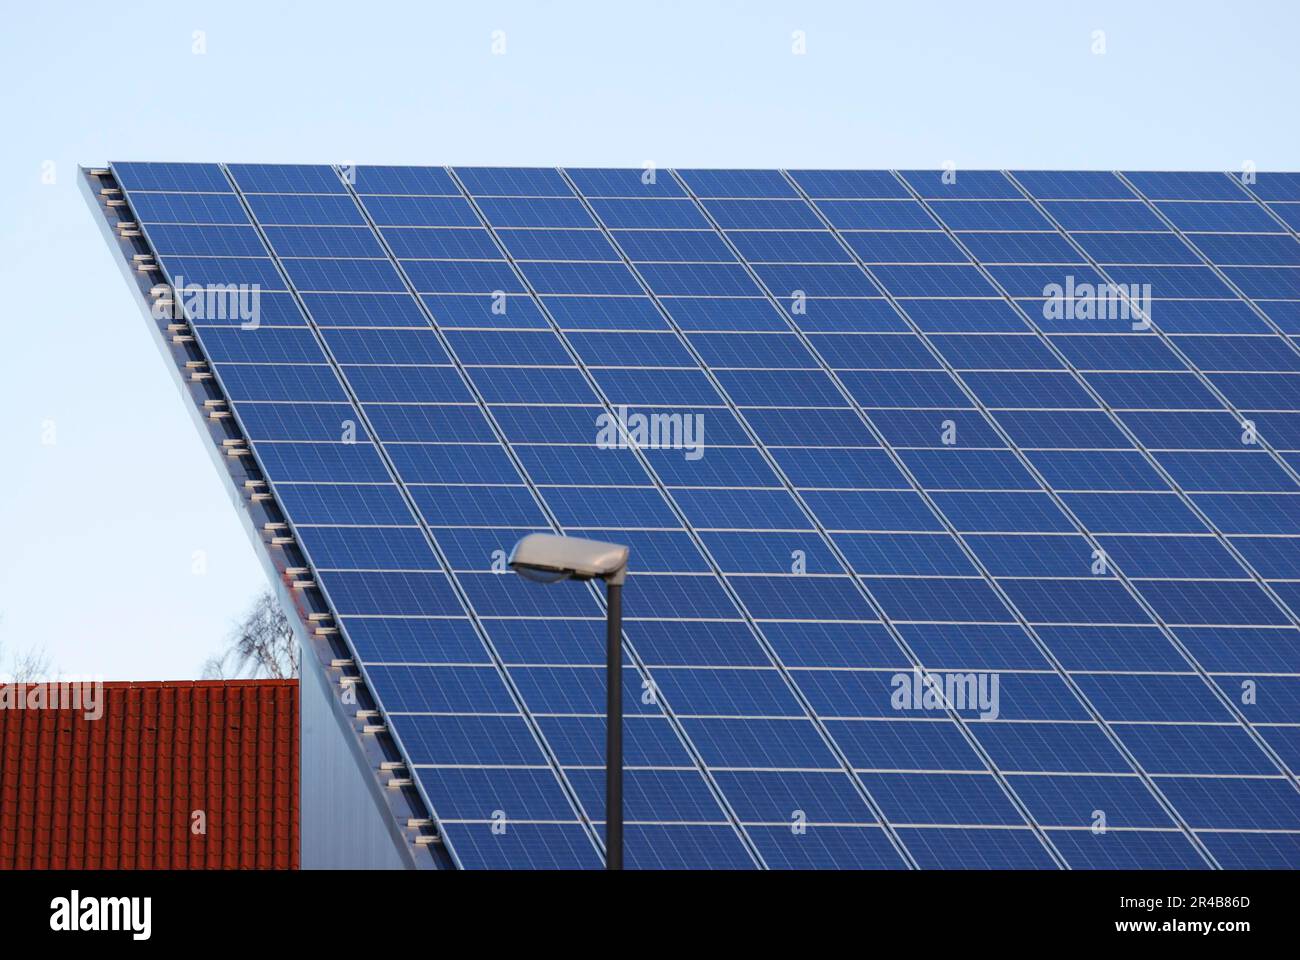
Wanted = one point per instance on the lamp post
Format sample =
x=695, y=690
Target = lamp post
x=544, y=558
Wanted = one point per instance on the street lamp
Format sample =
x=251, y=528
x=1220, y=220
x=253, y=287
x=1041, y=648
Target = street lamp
x=547, y=559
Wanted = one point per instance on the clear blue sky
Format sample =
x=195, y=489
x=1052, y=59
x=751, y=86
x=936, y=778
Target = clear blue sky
x=99, y=529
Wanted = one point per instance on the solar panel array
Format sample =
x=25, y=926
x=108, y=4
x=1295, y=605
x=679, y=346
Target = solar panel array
x=887, y=451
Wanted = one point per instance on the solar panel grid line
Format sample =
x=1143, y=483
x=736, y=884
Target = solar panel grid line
x=1250, y=195
x=540, y=741
x=1191, y=366
x=827, y=540
x=1169, y=633
x=1205, y=380
x=1283, y=225
x=664, y=492
x=1006, y=600
x=1208, y=524
x=1223, y=539
x=638, y=663
x=1224, y=809
x=1187, y=238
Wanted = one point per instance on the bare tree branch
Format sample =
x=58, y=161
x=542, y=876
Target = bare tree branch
x=30, y=665
x=25, y=666
x=262, y=646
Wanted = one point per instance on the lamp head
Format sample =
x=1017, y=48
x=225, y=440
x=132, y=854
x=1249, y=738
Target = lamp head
x=546, y=558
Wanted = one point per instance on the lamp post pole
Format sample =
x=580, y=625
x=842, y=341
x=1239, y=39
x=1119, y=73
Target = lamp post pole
x=547, y=558
x=614, y=727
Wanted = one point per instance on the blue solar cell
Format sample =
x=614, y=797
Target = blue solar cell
x=826, y=848
x=1248, y=249
x=824, y=644
x=285, y=178
x=322, y=462
x=604, y=182
x=1219, y=217
x=408, y=181
x=761, y=743
x=1161, y=185
x=476, y=506
x=863, y=184
x=576, y=690
x=399, y=640
x=876, y=215
x=404, y=211
x=513, y=181
x=805, y=246
x=186, y=177
x=963, y=185
x=178, y=240
x=762, y=214
x=462, y=276
x=1073, y=185
x=221, y=272
x=874, y=352
x=210, y=208
x=322, y=276
x=1115, y=248
x=685, y=847
x=985, y=316
x=989, y=215
x=1060, y=801
x=901, y=388
x=550, y=212
x=1266, y=283
x=1048, y=747
x=360, y=548
x=438, y=243
x=523, y=846
x=1274, y=186
x=1112, y=647
x=1103, y=216
x=441, y=689
x=614, y=313
x=951, y=849
x=915, y=798
x=694, y=279
x=1206, y=802
x=659, y=796
x=1245, y=851
x=1020, y=248
x=1127, y=850
x=492, y=309
x=526, y=244
x=520, y=793
x=304, y=210
x=737, y=183
x=937, y=280
x=599, y=278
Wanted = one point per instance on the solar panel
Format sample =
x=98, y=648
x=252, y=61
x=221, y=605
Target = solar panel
x=963, y=511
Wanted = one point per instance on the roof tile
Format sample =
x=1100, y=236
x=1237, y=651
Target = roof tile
x=119, y=792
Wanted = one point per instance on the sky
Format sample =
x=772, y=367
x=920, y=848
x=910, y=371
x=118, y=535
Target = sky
x=106, y=489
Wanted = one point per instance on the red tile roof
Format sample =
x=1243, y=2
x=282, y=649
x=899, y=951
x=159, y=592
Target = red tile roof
x=119, y=792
